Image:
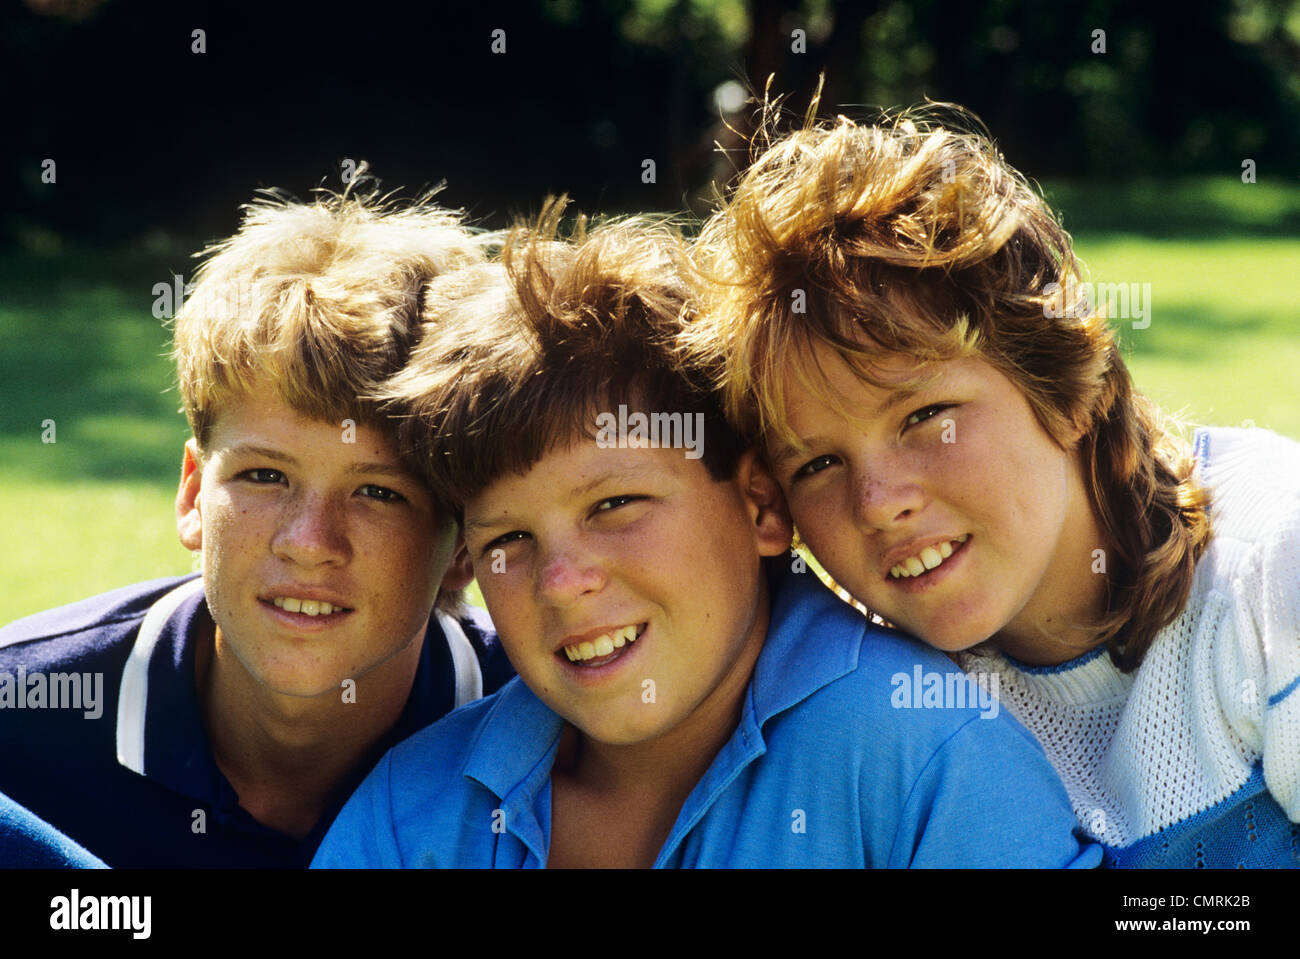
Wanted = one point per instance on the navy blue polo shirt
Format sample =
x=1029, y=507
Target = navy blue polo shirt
x=30, y=843
x=102, y=735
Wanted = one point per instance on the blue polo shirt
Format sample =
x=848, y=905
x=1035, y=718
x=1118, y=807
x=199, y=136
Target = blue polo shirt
x=102, y=735
x=829, y=766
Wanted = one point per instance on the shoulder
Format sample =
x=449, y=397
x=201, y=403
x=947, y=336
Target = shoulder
x=448, y=741
x=85, y=628
x=428, y=769
x=414, y=806
x=941, y=773
x=29, y=842
x=1253, y=477
x=1246, y=455
x=898, y=705
x=897, y=682
x=1252, y=562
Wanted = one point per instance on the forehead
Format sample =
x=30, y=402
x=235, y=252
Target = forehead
x=582, y=467
x=262, y=415
x=819, y=381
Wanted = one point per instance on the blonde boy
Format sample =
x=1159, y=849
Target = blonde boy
x=241, y=707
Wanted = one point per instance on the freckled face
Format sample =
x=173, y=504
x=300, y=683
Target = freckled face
x=288, y=513
x=641, y=547
x=957, y=484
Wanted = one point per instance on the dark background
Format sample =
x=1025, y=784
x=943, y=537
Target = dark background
x=156, y=144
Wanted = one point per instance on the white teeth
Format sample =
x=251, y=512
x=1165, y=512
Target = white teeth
x=602, y=645
x=308, y=607
x=929, y=558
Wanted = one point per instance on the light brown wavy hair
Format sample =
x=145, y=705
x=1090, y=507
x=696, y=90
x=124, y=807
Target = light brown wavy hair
x=520, y=355
x=914, y=236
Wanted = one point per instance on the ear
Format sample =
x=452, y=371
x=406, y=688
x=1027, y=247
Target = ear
x=460, y=573
x=189, y=519
x=773, y=527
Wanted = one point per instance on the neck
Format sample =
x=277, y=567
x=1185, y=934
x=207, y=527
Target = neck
x=1058, y=623
x=288, y=756
x=1050, y=645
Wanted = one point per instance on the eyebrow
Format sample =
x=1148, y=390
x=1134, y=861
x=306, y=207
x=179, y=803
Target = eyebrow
x=627, y=474
x=786, y=451
x=279, y=456
x=623, y=475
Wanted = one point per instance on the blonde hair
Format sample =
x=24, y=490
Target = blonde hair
x=319, y=299
x=521, y=354
x=914, y=236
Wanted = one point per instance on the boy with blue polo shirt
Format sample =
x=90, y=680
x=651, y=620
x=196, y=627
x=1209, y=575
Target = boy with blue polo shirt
x=222, y=720
x=688, y=695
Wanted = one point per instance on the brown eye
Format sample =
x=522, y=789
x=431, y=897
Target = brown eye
x=510, y=537
x=614, y=502
x=381, y=493
x=816, y=465
x=925, y=413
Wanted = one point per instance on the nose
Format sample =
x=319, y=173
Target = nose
x=567, y=575
x=313, y=532
x=883, y=497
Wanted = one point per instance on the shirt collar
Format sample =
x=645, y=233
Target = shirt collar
x=813, y=639
x=512, y=758
x=160, y=730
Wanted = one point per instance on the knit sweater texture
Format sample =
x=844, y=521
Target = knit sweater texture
x=1193, y=759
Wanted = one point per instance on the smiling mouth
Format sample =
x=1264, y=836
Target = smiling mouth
x=932, y=557
x=604, y=648
x=307, y=607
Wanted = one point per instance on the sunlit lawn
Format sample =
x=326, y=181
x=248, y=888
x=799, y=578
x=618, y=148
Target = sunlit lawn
x=79, y=346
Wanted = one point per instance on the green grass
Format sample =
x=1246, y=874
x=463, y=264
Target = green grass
x=79, y=346
x=92, y=509
x=1223, y=347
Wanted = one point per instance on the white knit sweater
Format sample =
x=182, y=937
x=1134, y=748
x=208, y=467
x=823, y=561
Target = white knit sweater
x=1217, y=691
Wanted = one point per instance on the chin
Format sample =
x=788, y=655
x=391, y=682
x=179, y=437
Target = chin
x=294, y=683
x=953, y=639
x=625, y=734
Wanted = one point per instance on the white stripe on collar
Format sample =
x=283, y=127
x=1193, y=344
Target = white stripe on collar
x=469, y=676
x=133, y=694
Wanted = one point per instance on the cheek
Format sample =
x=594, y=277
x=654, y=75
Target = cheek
x=406, y=556
x=496, y=588
x=822, y=517
x=506, y=593
x=981, y=472
x=229, y=535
